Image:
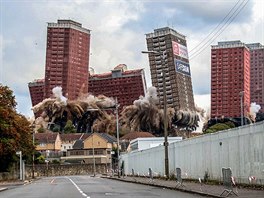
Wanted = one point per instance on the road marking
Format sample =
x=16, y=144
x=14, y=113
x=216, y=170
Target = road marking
x=52, y=181
x=83, y=194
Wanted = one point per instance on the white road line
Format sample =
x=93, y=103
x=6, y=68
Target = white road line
x=83, y=194
x=52, y=181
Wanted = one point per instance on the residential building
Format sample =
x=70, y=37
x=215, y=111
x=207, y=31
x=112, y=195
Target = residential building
x=230, y=79
x=257, y=74
x=97, y=146
x=36, y=90
x=175, y=62
x=68, y=140
x=125, y=85
x=48, y=144
x=67, y=58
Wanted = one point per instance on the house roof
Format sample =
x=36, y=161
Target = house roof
x=108, y=138
x=46, y=137
x=133, y=135
x=78, y=144
x=74, y=136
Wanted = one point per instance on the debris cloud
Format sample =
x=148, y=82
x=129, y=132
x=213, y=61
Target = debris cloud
x=90, y=113
x=254, y=109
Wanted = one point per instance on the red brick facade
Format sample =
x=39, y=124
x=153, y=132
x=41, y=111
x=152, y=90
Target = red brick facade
x=127, y=86
x=67, y=58
x=36, y=90
x=230, y=75
x=257, y=74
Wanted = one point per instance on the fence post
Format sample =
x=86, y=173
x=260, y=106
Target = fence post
x=150, y=175
x=227, y=182
x=178, y=177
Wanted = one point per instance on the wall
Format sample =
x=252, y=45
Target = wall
x=241, y=148
x=68, y=169
x=55, y=170
x=5, y=176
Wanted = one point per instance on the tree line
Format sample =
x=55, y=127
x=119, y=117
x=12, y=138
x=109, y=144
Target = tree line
x=15, y=131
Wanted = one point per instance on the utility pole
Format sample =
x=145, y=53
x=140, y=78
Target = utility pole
x=165, y=116
x=20, y=164
x=93, y=154
x=33, y=156
x=241, y=94
x=117, y=137
x=165, y=124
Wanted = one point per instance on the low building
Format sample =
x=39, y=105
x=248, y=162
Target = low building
x=127, y=138
x=97, y=147
x=139, y=144
x=48, y=144
x=68, y=140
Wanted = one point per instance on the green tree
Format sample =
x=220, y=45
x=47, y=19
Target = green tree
x=41, y=130
x=40, y=159
x=15, y=131
x=56, y=129
x=69, y=128
x=218, y=127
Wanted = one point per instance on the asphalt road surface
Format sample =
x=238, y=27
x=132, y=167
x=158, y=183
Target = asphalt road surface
x=88, y=187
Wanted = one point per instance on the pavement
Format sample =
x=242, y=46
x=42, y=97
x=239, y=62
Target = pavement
x=193, y=187
x=5, y=185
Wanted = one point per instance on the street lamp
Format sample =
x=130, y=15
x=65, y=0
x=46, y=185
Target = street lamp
x=33, y=156
x=20, y=164
x=241, y=94
x=165, y=109
x=92, y=134
x=93, y=152
x=117, y=137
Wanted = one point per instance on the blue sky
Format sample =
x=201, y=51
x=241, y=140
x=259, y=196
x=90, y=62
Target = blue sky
x=118, y=35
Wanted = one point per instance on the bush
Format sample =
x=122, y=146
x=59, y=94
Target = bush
x=218, y=127
x=55, y=161
x=40, y=159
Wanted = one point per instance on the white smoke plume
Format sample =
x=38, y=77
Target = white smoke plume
x=254, y=109
x=150, y=99
x=57, y=92
x=100, y=101
x=203, y=118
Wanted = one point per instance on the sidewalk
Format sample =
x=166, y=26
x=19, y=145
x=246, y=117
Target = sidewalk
x=2, y=189
x=192, y=187
x=5, y=185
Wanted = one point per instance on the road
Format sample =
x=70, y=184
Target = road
x=88, y=187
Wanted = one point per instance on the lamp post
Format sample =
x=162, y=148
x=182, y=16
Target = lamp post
x=117, y=137
x=20, y=164
x=164, y=110
x=117, y=134
x=93, y=153
x=241, y=94
x=92, y=134
x=33, y=155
